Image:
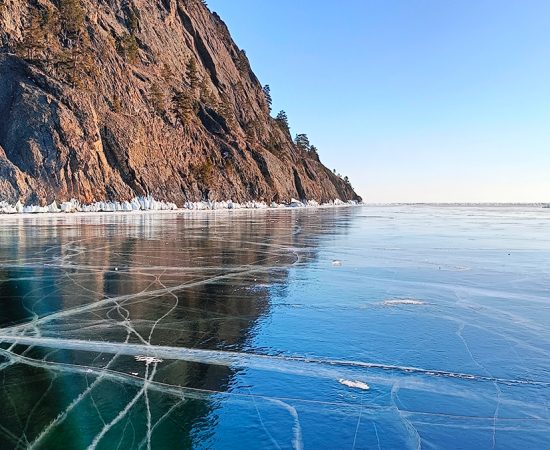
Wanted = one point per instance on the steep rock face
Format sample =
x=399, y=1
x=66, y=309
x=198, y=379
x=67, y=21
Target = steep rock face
x=139, y=96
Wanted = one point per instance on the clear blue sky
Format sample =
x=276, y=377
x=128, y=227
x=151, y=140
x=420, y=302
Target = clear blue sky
x=414, y=100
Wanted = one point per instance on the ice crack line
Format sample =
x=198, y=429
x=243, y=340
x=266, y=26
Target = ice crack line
x=122, y=298
x=290, y=364
x=126, y=410
x=61, y=417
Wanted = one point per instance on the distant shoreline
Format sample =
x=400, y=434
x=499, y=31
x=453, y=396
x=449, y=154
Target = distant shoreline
x=481, y=205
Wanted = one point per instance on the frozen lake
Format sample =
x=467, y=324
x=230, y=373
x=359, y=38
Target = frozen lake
x=345, y=328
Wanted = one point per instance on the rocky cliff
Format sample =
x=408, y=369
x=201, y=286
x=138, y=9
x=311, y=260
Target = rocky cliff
x=109, y=99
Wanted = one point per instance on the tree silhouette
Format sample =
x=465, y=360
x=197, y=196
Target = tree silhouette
x=302, y=142
x=267, y=93
x=282, y=121
x=314, y=152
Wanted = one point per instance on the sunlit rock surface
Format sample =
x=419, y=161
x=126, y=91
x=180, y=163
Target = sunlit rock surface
x=116, y=135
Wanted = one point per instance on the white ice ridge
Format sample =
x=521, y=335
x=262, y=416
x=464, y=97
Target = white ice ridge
x=148, y=203
x=330, y=368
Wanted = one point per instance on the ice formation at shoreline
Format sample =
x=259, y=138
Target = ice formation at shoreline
x=150, y=204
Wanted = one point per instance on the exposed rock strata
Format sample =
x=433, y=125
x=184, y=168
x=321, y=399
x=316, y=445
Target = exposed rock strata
x=105, y=137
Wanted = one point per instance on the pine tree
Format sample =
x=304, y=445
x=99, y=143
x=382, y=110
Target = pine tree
x=184, y=106
x=76, y=63
x=156, y=97
x=242, y=63
x=128, y=47
x=302, y=141
x=206, y=95
x=282, y=121
x=56, y=39
x=34, y=38
x=72, y=17
x=267, y=93
x=51, y=24
x=192, y=74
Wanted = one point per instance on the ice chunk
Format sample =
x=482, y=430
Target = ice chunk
x=148, y=359
x=355, y=384
x=296, y=203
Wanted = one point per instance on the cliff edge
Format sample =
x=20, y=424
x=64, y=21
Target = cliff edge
x=109, y=99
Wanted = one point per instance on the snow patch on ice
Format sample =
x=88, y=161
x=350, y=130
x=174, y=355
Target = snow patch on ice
x=403, y=301
x=354, y=384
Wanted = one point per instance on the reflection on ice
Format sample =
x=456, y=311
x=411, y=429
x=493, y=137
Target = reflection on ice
x=233, y=330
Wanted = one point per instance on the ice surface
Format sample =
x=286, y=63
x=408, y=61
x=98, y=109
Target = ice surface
x=233, y=330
